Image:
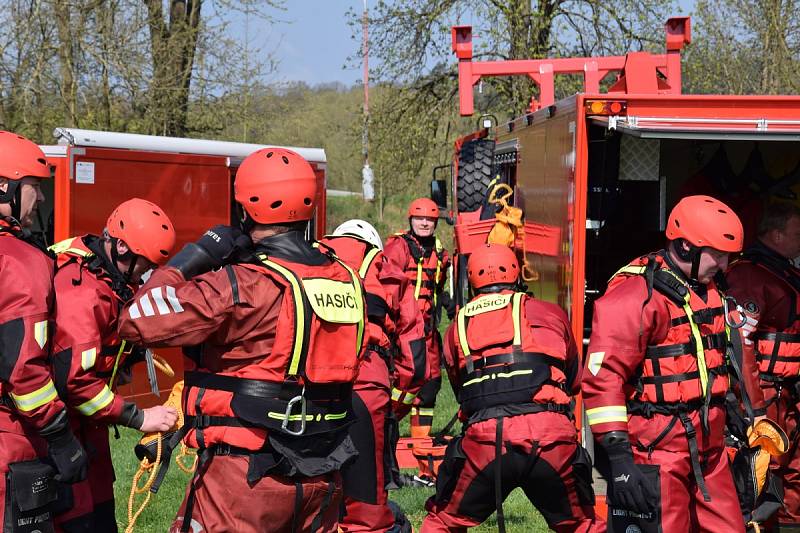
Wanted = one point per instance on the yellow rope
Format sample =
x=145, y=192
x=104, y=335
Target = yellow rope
x=144, y=467
x=511, y=217
x=186, y=453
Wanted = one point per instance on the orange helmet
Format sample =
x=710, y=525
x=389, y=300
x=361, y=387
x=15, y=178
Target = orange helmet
x=276, y=185
x=705, y=221
x=423, y=207
x=491, y=264
x=21, y=158
x=145, y=228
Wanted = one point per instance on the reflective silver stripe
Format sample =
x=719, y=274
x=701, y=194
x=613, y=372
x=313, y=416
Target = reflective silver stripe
x=134, y=311
x=606, y=414
x=161, y=305
x=147, y=307
x=88, y=358
x=37, y=398
x=173, y=300
x=102, y=399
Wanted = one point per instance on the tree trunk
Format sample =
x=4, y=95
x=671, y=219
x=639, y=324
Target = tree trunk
x=66, y=56
x=173, y=44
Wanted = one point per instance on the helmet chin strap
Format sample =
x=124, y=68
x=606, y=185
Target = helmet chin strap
x=246, y=222
x=127, y=256
x=691, y=254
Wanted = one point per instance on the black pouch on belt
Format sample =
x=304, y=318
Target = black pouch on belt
x=623, y=521
x=30, y=494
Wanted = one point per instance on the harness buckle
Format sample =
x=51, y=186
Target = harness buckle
x=739, y=309
x=288, y=413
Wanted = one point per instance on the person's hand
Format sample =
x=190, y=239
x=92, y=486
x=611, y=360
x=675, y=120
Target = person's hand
x=67, y=455
x=158, y=419
x=630, y=490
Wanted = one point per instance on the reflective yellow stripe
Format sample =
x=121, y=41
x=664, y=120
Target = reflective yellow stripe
x=702, y=369
x=630, y=269
x=88, y=358
x=501, y=375
x=515, y=312
x=309, y=418
x=606, y=414
x=425, y=411
x=300, y=310
x=360, y=295
x=367, y=262
x=113, y=380
x=462, y=331
x=101, y=400
x=418, y=287
x=65, y=247
x=37, y=398
x=407, y=399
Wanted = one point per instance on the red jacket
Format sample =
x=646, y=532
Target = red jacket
x=638, y=338
x=767, y=286
x=426, y=269
x=29, y=395
x=86, y=345
x=394, y=317
x=489, y=331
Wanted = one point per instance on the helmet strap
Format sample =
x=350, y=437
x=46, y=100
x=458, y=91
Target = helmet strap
x=246, y=222
x=692, y=254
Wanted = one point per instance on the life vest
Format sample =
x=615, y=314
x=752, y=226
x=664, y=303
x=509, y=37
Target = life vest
x=113, y=353
x=501, y=365
x=425, y=272
x=304, y=386
x=689, y=367
x=778, y=352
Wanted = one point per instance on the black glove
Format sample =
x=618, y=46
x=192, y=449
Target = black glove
x=218, y=246
x=630, y=489
x=449, y=305
x=66, y=453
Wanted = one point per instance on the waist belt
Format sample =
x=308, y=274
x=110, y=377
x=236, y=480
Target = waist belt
x=518, y=409
x=266, y=389
x=516, y=358
x=718, y=341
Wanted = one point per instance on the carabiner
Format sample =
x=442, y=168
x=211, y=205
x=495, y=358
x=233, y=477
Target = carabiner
x=289, y=406
x=726, y=311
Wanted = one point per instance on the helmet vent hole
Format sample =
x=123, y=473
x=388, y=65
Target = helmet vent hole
x=285, y=160
x=722, y=211
x=42, y=161
x=164, y=227
x=276, y=204
x=254, y=199
x=269, y=154
x=481, y=272
x=121, y=224
x=502, y=268
x=307, y=201
x=729, y=236
x=677, y=222
x=156, y=213
x=163, y=252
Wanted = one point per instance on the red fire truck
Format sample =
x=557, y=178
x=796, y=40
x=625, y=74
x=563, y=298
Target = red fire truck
x=191, y=179
x=597, y=173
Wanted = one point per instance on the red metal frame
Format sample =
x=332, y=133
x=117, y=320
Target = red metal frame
x=639, y=70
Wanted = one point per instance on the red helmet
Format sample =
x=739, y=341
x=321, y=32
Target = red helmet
x=491, y=264
x=145, y=228
x=276, y=185
x=705, y=221
x=423, y=207
x=21, y=158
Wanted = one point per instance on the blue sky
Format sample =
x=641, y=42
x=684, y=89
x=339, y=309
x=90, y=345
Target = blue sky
x=313, y=43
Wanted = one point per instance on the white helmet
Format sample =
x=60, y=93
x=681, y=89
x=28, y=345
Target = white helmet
x=361, y=229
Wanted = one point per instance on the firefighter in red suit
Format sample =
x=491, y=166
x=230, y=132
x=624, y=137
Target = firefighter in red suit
x=425, y=261
x=33, y=420
x=96, y=275
x=393, y=370
x=276, y=328
x=657, y=375
x=514, y=366
x=767, y=285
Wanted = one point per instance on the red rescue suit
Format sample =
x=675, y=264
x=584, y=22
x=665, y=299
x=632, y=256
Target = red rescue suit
x=268, y=403
x=514, y=365
x=86, y=354
x=425, y=265
x=393, y=370
x=657, y=368
x=28, y=398
x=767, y=286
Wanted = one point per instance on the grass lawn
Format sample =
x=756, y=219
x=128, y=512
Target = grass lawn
x=520, y=515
